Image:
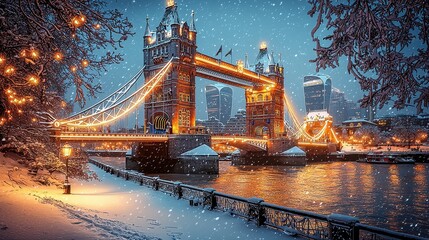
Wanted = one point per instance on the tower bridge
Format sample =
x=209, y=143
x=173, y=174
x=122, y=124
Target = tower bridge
x=171, y=64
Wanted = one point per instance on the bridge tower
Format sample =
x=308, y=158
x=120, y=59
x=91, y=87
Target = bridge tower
x=264, y=104
x=171, y=106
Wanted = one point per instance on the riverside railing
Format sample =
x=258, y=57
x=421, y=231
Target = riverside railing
x=292, y=222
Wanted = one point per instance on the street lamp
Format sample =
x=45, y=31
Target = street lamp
x=66, y=151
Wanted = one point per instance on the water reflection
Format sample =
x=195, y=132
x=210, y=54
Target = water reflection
x=392, y=196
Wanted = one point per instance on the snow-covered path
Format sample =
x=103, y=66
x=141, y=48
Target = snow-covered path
x=127, y=210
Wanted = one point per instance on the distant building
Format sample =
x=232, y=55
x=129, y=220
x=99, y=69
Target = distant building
x=351, y=126
x=237, y=124
x=219, y=102
x=317, y=91
x=213, y=125
x=386, y=123
x=338, y=107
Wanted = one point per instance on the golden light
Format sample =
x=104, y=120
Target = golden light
x=97, y=26
x=2, y=59
x=34, y=119
x=34, y=54
x=58, y=56
x=63, y=104
x=19, y=111
x=73, y=68
x=32, y=79
x=240, y=66
x=23, y=53
x=85, y=63
x=78, y=21
x=9, y=70
x=66, y=149
x=263, y=46
x=170, y=3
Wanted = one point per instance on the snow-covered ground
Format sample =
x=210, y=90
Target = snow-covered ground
x=111, y=209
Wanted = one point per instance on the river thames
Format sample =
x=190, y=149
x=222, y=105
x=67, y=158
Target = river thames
x=389, y=196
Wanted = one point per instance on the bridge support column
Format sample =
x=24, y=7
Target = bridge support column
x=265, y=110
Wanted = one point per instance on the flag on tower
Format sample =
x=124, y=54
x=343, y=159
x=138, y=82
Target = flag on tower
x=228, y=53
x=219, y=51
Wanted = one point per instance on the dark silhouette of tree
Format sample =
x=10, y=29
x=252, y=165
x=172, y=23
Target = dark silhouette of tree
x=46, y=48
x=385, y=43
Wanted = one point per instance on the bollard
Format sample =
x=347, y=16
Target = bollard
x=177, y=190
x=155, y=184
x=342, y=227
x=209, y=198
x=256, y=211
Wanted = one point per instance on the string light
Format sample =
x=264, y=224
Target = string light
x=23, y=53
x=78, y=21
x=33, y=79
x=34, y=53
x=97, y=26
x=85, y=63
x=9, y=70
x=73, y=68
x=2, y=59
x=58, y=56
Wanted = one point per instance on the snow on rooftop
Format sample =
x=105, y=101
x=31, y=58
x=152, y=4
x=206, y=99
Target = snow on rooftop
x=202, y=150
x=295, y=151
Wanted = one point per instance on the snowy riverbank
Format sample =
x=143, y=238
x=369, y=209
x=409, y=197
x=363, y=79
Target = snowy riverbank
x=108, y=209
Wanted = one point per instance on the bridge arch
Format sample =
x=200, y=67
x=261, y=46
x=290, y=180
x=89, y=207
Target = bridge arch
x=159, y=123
x=261, y=130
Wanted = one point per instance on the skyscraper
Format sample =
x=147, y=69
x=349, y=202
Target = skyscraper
x=219, y=102
x=317, y=91
x=338, y=106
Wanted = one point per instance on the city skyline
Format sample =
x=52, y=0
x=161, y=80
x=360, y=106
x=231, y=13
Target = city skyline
x=223, y=23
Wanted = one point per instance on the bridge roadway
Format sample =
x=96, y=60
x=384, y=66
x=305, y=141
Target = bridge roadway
x=252, y=144
x=235, y=75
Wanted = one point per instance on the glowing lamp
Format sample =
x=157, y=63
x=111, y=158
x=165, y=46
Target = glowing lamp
x=73, y=68
x=2, y=59
x=263, y=46
x=66, y=150
x=170, y=3
x=97, y=26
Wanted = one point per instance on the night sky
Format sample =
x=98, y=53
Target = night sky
x=241, y=25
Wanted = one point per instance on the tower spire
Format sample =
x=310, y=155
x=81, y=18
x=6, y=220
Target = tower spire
x=192, y=27
x=147, y=32
x=246, y=61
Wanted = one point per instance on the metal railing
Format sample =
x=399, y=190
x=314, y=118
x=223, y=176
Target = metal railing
x=292, y=222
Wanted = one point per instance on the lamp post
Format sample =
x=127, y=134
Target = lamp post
x=66, y=151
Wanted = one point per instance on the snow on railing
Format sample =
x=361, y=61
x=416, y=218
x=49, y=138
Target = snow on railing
x=292, y=222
